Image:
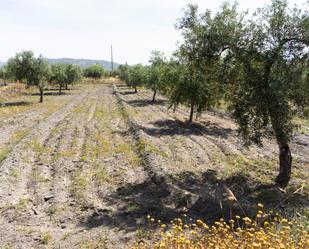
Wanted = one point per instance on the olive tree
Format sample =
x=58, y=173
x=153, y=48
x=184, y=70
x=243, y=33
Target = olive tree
x=124, y=73
x=154, y=73
x=19, y=66
x=195, y=83
x=3, y=72
x=73, y=74
x=58, y=75
x=259, y=57
x=136, y=76
x=26, y=68
x=95, y=71
x=39, y=75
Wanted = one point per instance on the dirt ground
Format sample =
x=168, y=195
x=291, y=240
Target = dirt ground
x=85, y=171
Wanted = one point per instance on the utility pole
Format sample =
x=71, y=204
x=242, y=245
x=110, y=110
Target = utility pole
x=112, y=62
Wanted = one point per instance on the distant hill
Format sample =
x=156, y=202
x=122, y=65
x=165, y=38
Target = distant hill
x=83, y=62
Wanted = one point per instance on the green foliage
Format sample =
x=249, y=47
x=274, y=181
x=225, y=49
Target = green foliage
x=136, y=76
x=20, y=66
x=262, y=61
x=59, y=75
x=258, y=64
x=154, y=78
x=74, y=73
x=124, y=72
x=194, y=79
x=95, y=71
x=3, y=72
x=39, y=75
x=26, y=68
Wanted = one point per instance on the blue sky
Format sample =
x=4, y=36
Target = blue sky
x=87, y=28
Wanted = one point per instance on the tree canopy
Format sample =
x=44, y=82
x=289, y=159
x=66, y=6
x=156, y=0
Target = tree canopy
x=257, y=64
x=95, y=71
x=26, y=68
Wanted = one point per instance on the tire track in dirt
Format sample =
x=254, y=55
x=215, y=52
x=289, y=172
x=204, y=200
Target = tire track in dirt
x=67, y=159
x=16, y=127
x=23, y=157
x=16, y=207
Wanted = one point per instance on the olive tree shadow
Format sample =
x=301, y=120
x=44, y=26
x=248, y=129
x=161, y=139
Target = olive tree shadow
x=51, y=93
x=204, y=197
x=122, y=86
x=17, y=103
x=171, y=127
x=145, y=102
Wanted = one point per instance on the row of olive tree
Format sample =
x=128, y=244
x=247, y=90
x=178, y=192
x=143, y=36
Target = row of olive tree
x=177, y=79
x=95, y=71
x=35, y=71
x=258, y=64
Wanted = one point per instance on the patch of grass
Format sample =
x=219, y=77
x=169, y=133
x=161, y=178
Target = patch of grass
x=4, y=153
x=45, y=238
x=6, y=247
x=25, y=229
x=18, y=135
x=67, y=235
x=145, y=146
x=22, y=204
x=260, y=169
x=142, y=234
x=134, y=160
x=133, y=207
x=95, y=243
x=14, y=139
x=65, y=154
x=52, y=210
x=37, y=177
x=37, y=147
x=101, y=175
x=122, y=148
x=79, y=183
x=103, y=146
x=15, y=173
x=128, y=151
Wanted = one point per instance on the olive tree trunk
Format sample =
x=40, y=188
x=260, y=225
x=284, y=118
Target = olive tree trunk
x=154, y=95
x=60, y=88
x=135, y=89
x=285, y=164
x=285, y=156
x=41, y=94
x=191, y=113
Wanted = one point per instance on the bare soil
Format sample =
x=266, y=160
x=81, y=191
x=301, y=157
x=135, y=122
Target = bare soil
x=86, y=173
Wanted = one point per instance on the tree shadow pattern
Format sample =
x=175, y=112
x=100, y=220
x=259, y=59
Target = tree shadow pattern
x=146, y=102
x=16, y=103
x=171, y=127
x=210, y=200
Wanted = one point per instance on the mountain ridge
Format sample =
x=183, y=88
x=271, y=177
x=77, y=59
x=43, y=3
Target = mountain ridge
x=80, y=62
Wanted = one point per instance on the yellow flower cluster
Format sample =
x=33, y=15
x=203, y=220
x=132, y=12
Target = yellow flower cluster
x=266, y=230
